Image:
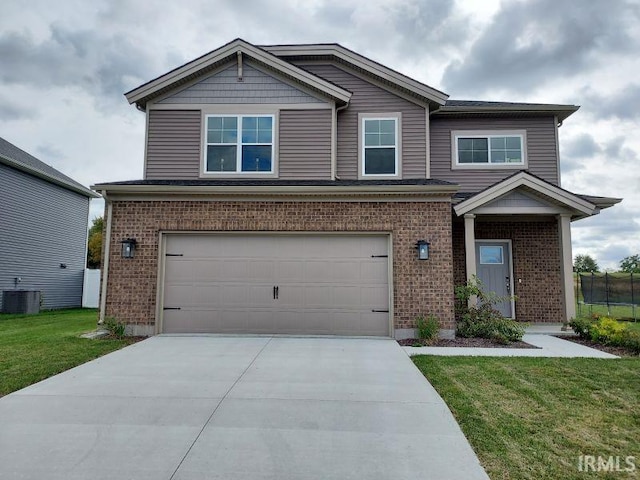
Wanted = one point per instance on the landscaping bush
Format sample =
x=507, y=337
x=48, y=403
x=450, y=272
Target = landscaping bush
x=427, y=328
x=483, y=320
x=582, y=326
x=631, y=339
x=607, y=331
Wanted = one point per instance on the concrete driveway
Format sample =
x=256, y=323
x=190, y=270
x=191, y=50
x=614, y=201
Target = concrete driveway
x=184, y=407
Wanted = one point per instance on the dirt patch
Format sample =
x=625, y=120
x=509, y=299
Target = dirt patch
x=462, y=342
x=619, y=351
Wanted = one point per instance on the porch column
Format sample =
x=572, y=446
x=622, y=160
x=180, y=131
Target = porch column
x=566, y=266
x=470, y=244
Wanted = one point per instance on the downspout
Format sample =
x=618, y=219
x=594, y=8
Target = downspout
x=334, y=142
x=105, y=263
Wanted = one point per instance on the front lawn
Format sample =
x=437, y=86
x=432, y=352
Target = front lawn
x=531, y=418
x=35, y=347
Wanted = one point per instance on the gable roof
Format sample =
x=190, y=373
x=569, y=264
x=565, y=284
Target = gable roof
x=452, y=107
x=582, y=206
x=224, y=54
x=384, y=74
x=19, y=159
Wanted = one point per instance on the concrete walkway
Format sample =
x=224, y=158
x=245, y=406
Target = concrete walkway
x=236, y=407
x=549, y=346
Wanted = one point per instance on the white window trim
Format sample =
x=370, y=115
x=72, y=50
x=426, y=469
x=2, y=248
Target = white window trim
x=238, y=172
x=397, y=117
x=455, y=134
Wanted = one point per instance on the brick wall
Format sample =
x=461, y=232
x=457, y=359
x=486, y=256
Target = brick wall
x=536, y=261
x=420, y=287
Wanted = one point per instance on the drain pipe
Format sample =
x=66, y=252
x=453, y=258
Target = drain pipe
x=105, y=260
x=334, y=142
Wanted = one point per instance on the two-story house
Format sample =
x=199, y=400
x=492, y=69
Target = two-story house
x=299, y=189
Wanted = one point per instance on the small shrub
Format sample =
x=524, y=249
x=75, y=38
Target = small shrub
x=427, y=328
x=483, y=320
x=631, y=339
x=607, y=331
x=582, y=326
x=115, y=328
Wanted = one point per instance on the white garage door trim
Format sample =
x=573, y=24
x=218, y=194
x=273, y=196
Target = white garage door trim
x=162, y=242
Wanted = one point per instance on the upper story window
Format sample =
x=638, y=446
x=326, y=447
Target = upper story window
x=499, y=149
x=379, y=145
x=239, y=144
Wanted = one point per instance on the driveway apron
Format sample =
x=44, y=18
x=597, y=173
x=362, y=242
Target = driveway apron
x=193, y=407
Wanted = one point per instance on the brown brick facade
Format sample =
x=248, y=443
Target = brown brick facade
x=419, y=287
x=536, y=262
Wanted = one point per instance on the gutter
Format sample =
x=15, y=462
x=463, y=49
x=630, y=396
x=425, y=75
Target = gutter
x=105, y=263
x=334, y=140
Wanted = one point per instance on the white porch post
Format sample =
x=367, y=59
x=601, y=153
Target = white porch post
x=470, y=244
x=566, y=267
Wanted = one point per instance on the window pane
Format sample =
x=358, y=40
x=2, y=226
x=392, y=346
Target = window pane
x=491, y=255
x=371, y=139
x=480, y=144
x=379, y=161
x=214, y=123
x=230, y=123
x=465, y=156
x=371, y=126
x=513, y=143
x=249, y=136
x=264, y=123
x=480, y=156
x=256, y=158
x=498, y=142
x=497, y=156
x=514, y=156
x=221, y=158
x=387, y=139
x=214, y=136
x=465, y=144
x=229, y=136
x=387, y=126
x=249, y=123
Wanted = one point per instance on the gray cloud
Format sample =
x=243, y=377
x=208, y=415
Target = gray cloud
x=529, y=44
x=101, y=64
x=621, y=104
x=10, y=110
x=614, y=151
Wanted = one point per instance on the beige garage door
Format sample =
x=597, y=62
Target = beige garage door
x=292, y=284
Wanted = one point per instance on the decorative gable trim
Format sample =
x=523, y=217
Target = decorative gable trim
x=523, y=180
x=214, y=59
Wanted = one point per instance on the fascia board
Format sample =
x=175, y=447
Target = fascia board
x=45, y=176
x=522, y=179
x=276, y=189
x=366, y=64
x=194, y=66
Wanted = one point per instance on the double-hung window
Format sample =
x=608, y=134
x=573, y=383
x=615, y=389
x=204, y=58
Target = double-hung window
x=239, y=144
x=496, y=149
x=379, y=146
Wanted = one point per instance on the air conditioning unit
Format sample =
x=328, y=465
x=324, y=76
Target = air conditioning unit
x=21, y=301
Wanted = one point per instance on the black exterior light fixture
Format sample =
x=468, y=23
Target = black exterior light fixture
x=423, y=249
x=128, y=247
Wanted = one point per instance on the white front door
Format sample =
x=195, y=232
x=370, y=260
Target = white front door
x=493, y=268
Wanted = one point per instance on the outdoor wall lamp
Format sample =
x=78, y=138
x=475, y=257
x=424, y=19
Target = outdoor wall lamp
x=423, y=249
x=128, y=247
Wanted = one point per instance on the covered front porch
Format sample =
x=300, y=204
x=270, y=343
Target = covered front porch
x=516, y=238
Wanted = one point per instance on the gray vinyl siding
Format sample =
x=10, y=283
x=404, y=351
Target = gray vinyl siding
x=305, y=144
x=256, y=87
x=41, y=226
x=541, y=149
x=368, y=98
x=173, y=144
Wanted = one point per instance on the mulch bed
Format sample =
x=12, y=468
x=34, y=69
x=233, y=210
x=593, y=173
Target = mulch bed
x=619, y=351
x=462, y=342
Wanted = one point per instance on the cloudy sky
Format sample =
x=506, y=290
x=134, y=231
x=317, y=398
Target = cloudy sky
x=65, y=64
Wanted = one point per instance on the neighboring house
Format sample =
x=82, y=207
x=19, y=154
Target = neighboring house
x=286, y=187
x=43, y=229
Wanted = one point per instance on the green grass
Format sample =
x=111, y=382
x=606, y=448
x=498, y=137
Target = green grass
x=531, y=418
x=35, y=347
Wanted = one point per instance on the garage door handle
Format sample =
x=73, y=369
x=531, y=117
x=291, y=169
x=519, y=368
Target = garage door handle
x=277, y=292
x=380, y=311
x=171, y=308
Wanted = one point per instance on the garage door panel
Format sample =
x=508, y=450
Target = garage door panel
x=327, y=284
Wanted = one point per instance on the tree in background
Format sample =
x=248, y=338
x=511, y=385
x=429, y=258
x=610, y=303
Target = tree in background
x=94, y=245
x=630, y=264
x=585, y=263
